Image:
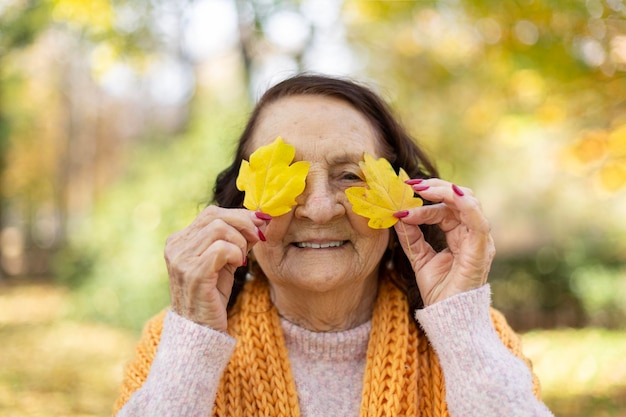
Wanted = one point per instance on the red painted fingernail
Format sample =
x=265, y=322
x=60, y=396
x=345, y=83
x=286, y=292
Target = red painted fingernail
x=401, y=214
x=261, y=235
x=421, y=187
x=457, y=190
x=414, y=181
x=262, y=216
x=245, y=261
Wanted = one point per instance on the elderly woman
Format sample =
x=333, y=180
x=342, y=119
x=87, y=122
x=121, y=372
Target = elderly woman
x=314, y=313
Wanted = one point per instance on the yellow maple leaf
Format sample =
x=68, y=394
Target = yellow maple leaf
x=270, y=182
x=386, y=193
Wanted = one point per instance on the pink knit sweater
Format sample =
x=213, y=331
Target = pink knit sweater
x=483, y=378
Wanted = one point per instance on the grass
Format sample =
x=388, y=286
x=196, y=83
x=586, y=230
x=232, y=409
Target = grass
x=582, y=371
x=52, y=366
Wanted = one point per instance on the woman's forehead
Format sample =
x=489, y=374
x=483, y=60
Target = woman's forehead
x=316, y=125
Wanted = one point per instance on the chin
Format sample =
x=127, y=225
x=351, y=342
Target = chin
x=326, y=280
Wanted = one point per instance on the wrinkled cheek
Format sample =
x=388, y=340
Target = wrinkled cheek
x=374, y=247
x=278, y=226
x=378, y=239
x=268, y=256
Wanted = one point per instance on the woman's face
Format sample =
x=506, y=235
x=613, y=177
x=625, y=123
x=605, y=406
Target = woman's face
x=321, y=245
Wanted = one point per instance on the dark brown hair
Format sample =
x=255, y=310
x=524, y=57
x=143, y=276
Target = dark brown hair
x=399, y=148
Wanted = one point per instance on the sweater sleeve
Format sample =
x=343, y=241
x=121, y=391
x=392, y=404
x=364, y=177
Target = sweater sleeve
x=483, y=378
x=186, y=371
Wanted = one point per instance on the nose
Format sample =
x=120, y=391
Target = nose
x=319, y=202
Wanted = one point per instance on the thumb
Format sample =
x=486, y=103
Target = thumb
x=414, y=245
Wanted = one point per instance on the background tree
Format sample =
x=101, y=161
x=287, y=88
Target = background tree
x=524, y=101
x=63, y=134
x=118, y=114
x=20, y=25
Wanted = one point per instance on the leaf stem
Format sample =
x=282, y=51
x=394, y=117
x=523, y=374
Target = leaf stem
x=408, y=243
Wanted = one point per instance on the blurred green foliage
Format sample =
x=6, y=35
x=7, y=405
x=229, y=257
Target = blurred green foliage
x=114, y=261
x=582, y=371
x=523, y=101
x=563, y=285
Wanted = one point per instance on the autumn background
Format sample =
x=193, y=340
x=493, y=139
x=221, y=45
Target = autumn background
x=115, y=116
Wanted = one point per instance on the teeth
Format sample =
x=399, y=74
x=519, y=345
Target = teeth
x=319, y=245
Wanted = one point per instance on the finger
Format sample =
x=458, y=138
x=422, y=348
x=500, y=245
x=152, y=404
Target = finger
x=244, y=220
x=460, y=200
x=415, y=246
x=221, y=259
x=440, y=214
x=189, y=277
x=433, y=183
x=215, y=257
x=219, y=255
x=219, y=230
x=459, y=214
x=450, y=221
x=194, y=240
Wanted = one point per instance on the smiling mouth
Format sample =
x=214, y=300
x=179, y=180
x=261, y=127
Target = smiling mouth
x=325, y=245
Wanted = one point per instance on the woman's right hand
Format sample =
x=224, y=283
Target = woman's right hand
x=201, y=261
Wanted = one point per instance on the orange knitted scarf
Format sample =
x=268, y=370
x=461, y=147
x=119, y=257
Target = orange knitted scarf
x=402, y=375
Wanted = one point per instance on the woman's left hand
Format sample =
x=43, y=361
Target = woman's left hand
x=465, y=264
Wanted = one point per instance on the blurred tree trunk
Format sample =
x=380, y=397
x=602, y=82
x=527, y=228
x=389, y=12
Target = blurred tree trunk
x=4, y=138
x=65, y=138
x=20, y=24
x=246, y=25
x=253, y=16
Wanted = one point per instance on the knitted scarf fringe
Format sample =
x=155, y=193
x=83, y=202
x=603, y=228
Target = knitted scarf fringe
x=258, y=380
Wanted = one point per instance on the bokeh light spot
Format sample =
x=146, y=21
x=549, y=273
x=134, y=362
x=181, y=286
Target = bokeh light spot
x=526, y=32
